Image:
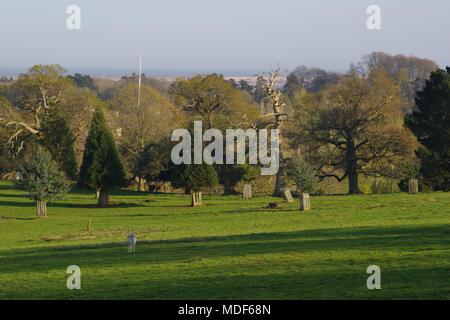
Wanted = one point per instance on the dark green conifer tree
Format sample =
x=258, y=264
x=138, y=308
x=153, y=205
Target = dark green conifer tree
x=430, y=122
x=59, y=141
x=101, y=169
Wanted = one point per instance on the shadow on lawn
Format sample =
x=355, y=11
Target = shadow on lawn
x=69, y=205
x=10, y=195
x=19, y=218
x=364, y=239
x=329, y=283
x=116, y=192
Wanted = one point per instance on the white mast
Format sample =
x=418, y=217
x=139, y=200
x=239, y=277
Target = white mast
x=140, y=79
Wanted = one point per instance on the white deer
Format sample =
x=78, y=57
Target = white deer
x=132, y=239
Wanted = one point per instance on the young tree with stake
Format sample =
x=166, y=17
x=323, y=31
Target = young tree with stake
x=43, y=180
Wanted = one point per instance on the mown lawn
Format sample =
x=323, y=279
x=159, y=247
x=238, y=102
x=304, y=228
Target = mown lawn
x=228, y=249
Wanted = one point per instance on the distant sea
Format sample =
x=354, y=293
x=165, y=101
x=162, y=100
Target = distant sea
x=156, y=73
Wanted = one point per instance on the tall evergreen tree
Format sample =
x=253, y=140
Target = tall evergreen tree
x=83, y=81
x=153, y=162
x=101, y=168
x=431, y=124
x=58, y=139
x=260, y=92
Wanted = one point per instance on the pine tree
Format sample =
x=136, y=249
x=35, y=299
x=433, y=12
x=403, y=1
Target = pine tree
x=101, y=168
x=431, y=124
x=43, y=180
x=302, y=175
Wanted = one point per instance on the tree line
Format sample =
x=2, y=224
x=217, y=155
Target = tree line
x=386, y=117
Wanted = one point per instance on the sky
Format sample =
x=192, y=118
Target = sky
x=224, y=36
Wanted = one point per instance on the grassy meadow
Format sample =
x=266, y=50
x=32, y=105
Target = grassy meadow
x=229, y=248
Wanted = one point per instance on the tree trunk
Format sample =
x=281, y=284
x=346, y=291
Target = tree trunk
x=352, y=171
x=262, y=108
x=97, y=194
x=210, y=120
x=278, y=184
x=103, y=199
x=149, y=186
x=41, y=208
x=141, y=184
x=229, y=190
x=278, y=191
x=353, y=186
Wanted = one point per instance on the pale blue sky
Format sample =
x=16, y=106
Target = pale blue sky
x=219, y=35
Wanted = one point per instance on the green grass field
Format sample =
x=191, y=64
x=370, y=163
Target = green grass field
x=228, y=249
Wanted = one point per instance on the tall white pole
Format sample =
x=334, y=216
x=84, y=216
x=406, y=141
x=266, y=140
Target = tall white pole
x=140, y=79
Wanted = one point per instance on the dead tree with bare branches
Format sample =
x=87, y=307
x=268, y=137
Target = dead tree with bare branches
x=278, y=116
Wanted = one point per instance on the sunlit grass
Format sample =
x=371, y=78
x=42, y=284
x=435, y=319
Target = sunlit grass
x=229, y=248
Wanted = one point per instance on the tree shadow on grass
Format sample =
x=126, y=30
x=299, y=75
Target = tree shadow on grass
x=112, y=205
x=254, y=210
x=9, y=195
x=330, y=282
x=365, y=239
x=19, y=218
x=115, y=192
x=7, y=186
x=17, y=204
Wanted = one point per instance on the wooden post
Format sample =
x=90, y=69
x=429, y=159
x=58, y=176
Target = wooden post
x=103, y=199
x=88, y=227
x=305, y=202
